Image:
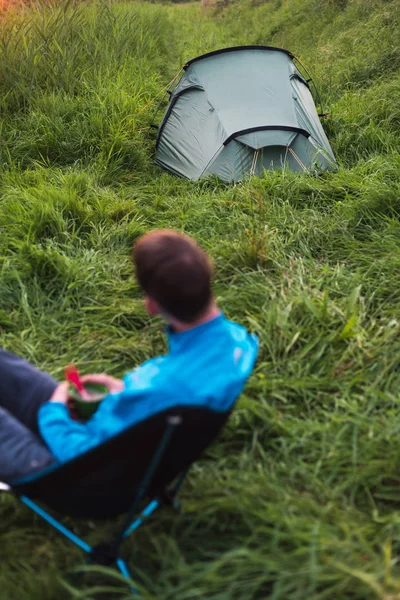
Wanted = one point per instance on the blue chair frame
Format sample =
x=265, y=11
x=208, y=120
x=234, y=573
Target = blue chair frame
x=107, y=553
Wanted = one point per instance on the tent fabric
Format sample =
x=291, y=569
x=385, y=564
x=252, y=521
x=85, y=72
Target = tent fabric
x=261, y=139
x=236, y=112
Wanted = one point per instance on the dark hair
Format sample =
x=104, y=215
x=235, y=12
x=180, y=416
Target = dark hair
x=174, y=271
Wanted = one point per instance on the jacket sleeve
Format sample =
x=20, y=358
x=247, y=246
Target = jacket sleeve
x=65, y=437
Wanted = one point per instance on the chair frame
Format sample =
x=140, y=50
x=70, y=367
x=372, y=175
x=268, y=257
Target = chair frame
x=107, y=552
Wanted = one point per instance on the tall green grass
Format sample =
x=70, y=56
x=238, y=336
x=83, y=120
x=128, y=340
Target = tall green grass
x=300, y=500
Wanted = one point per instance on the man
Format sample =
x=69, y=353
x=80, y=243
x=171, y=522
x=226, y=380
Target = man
x=208, y=363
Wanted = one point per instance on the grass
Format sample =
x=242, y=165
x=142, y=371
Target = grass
x=301, y=498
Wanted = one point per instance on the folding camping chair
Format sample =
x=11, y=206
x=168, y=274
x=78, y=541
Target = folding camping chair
x=148, y=460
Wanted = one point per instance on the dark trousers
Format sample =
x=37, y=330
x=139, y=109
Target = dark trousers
x=23, y=389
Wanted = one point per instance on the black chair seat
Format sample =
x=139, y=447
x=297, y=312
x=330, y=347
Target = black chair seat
x=104, y=481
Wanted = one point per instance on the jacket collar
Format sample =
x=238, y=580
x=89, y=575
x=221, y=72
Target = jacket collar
x=176, y=340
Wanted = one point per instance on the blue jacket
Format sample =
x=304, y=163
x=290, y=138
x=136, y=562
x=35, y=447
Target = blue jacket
x=206, y=366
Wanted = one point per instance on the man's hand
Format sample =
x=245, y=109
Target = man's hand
x=61, y=393
x=112, y=383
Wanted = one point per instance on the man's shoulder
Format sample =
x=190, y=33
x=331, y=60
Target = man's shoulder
x=238, y=332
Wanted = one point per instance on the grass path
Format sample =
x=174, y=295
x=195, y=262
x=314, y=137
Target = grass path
x=300, y=501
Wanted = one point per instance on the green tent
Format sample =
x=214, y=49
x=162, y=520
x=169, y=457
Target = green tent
x=238, y=111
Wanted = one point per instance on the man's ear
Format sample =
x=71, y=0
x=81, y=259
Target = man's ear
x=152, y=307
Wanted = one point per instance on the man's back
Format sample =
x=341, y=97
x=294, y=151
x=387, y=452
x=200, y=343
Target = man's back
x=207, y=365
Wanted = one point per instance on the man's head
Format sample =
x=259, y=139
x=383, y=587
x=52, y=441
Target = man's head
x=175, y=274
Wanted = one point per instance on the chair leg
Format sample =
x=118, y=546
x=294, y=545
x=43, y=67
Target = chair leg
x=179, y=483
x=56, y=524
x=103, y=554
x=106, y=554
x=150, y=508
x=123, y=568
x=173, y=422
x=169, y=496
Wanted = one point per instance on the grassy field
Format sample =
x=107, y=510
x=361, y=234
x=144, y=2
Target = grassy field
x=301, y=500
